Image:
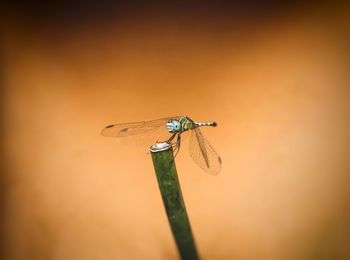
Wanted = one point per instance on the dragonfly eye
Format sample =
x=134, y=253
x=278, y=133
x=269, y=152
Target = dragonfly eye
x=176, y=125
x=173, y=126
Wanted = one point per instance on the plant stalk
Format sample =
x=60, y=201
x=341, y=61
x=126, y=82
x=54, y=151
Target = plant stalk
x=169, y=186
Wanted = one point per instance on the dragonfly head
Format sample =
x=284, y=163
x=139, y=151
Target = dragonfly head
x=173, y=126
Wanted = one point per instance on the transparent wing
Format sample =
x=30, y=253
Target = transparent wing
x=203, y=153
x=140, y=134
x=136, y=128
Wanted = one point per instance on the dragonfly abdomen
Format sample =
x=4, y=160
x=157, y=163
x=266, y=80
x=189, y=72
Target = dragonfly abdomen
x=206, y=124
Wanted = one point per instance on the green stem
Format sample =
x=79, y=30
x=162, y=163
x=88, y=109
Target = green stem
x=168, y=182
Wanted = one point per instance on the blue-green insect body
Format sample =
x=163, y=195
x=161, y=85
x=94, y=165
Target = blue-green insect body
x=184, y=123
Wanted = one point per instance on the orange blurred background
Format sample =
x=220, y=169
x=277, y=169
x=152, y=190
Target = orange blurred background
x=275, y=78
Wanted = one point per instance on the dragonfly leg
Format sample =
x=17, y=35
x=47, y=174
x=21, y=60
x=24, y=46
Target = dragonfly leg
x=177, y=144
x=171, y=137
x=173, y=144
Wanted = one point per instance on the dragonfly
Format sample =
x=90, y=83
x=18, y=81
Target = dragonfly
x=201, y=151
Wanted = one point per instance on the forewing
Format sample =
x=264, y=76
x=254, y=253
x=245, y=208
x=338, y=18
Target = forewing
x=136, y=128
x=203, y=153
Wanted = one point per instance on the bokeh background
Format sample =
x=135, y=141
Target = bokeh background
x=274, y=77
